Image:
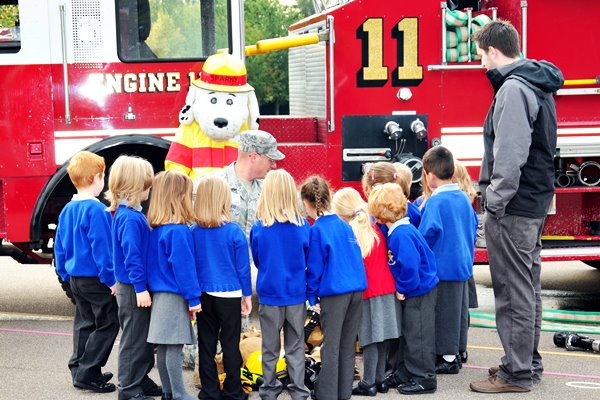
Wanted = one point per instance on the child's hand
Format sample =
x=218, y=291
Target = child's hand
x=197, y=308
x=143, y=299
x=400, y=296
x=113, y=289
x=246, y=305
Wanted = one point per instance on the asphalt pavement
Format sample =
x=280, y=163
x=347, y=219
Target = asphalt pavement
x=36, y=342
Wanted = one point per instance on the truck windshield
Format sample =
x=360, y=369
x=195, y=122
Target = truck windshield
x=10, y=30
x=158, y=29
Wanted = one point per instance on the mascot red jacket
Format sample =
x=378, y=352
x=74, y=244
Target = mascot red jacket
x=219, y=106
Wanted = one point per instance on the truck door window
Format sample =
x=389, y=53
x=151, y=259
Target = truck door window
x=10, y=29
x=156, y=29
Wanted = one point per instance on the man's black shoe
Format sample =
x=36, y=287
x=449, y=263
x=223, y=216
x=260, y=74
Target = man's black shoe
x=382, y=387
x=154, y=390
x=362, y=389
x=415, y=388
x=97, y=386
x=107, y=376
x=447, y=367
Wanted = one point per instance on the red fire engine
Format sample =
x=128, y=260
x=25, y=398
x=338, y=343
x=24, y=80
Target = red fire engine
x=380, y=81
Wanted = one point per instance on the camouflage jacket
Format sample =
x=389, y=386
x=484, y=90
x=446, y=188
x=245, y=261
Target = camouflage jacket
x=243, y=204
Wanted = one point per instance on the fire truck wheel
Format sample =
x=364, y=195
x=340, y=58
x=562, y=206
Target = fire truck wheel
x=593, y=263
x=66, y=287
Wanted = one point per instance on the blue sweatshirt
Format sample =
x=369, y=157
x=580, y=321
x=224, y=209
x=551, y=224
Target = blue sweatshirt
x=222, y=259
x=171, y=262
x=335, y=265
x=130, y=235
x=410, y=259
x=279, y=252
x=449, y=226
x=413, y=213
x=82, y=244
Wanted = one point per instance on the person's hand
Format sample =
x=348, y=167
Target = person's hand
x=143, y=299
x=317, y=307
x=400, y=296
x=246, y=305
x=197, y=308
x=113, y=289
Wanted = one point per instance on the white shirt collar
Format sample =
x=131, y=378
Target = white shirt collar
x=83, y=196
x=126, y=204
x=445, y=188
x=403, y=221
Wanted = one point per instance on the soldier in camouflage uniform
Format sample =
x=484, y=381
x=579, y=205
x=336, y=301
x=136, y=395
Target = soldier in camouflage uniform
x=257, y=155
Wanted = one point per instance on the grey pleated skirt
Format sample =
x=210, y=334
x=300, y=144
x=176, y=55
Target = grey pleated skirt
x=381, y=319
x=170, y=320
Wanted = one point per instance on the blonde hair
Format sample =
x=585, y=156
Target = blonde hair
x=463, y=179
x=213, y=201
x=378, y=173
x=348, y=204
x=83, y=167
x=278, y=200
x=387, y=203
x=128, y=179
x=426, y=189
x=315, y=190
x=405, y=177
x=171, y=201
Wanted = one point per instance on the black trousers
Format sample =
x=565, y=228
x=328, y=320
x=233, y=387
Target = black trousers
x=220, y=320
x=417, y=343
x=95, y=328
x=136, y=355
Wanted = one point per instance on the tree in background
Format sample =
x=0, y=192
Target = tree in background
x=9, y=15
x=305, y=7
x=268, y=73
x=176, y=28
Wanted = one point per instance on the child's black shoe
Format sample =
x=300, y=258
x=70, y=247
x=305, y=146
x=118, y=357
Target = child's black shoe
x=447, y=367
x=416, y=388
x=394, y=380
x=362, y=389
x=382, y=387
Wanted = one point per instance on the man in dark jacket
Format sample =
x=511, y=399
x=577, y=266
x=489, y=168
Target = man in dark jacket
x=517, y=183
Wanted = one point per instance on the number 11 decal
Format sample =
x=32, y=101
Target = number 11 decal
x=373, y=73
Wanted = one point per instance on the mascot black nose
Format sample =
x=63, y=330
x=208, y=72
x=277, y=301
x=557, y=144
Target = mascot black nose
x=220, y=122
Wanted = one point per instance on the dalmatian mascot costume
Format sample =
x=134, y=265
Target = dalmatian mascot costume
x=218, y=107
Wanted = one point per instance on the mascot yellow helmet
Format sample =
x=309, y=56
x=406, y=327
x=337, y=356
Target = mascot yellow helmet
x=223, y=72
x=254, y=364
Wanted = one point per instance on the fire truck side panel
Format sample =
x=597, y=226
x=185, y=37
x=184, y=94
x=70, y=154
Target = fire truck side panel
x=381, y=48
x=108, y=100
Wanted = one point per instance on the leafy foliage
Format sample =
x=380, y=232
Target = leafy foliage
x=268, y=73
x=9, y=15
x=176, y=28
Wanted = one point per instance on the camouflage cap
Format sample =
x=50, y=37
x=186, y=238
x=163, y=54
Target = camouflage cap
x=260, y=142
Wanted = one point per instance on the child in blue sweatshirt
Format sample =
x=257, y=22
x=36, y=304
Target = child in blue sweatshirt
x=384, y=172
x=279, y=241
x=413, y=265
x=82, y=255
x=335, y=281
x=449, y=226
x=223, y=268
x=128, y=185
x=172, y=277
